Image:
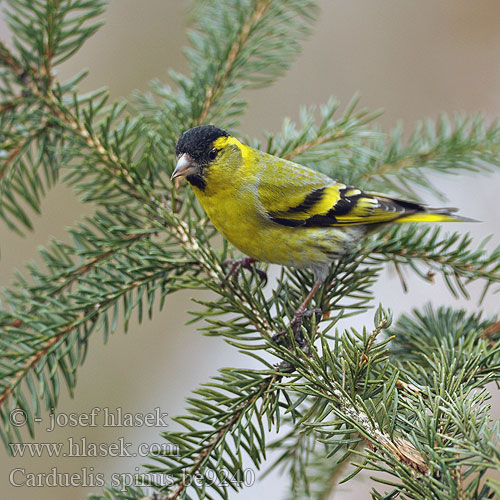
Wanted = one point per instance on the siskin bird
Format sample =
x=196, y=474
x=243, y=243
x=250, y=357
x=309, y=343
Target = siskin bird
x=277, y=211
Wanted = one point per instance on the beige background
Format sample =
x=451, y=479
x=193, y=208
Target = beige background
x=415, y=59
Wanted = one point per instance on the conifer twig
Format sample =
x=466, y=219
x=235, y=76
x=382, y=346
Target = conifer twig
x=411, y=401
x=220, y=435
x=213, y=92
x=321, y=139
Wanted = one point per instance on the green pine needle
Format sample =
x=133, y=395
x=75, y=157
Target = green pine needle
x=409, y=400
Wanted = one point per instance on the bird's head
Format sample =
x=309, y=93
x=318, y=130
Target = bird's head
x=203, y=151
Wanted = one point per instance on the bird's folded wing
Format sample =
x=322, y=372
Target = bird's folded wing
x=338, y=205
x=294, y=196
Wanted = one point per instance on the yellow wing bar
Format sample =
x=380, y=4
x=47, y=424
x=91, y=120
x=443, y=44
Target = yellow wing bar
x=339, y=205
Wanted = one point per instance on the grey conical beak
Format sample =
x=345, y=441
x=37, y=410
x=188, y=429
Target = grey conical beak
x=185, y=166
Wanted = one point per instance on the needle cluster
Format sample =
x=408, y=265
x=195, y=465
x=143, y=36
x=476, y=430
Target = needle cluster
x=408, y=399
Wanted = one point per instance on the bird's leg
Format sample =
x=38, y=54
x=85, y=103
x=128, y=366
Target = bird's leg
x=296, y=326
x=300, y=314
x=246, y=263
x=302, y=311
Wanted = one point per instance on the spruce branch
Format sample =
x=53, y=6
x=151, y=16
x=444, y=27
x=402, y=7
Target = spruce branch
x=416, y=457
x=249, y=47
x=227, y=411
x=414, y=406
x=326, y=145
x=349, y=151
x=448, y=146
x=452, y=255
x=215, y=445
x=315, y=468
x=213, y=92
x=321, y=385
x=46, y=33
x=342, y=390
x=29, y=140
x=84, y=282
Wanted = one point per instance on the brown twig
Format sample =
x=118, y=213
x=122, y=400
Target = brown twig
x=8, y=60
x=18, y=148
x=89, y=265
x=32, y=361
x=49, y=47
x=301, y=148
x=12, y=104
x=80, y=318
x=460, y=269
x=491, y=330
x=27, y=78
x=388, y=168
x=46, y=95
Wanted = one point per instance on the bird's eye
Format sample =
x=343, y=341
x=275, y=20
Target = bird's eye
x=212, y=154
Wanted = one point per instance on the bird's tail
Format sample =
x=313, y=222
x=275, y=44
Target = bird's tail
x=434, y=215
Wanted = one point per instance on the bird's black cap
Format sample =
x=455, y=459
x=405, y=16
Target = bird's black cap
x=197, y=142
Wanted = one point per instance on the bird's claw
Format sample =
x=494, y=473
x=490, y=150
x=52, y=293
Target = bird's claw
x=315, y=310
x=245, y=263
x=296, y=325
x=298, y=318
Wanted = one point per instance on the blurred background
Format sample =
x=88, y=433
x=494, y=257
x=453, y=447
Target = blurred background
x=414, y=59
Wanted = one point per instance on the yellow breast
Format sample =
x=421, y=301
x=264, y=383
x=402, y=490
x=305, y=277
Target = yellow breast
x=234, y=215
x=233, y=200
